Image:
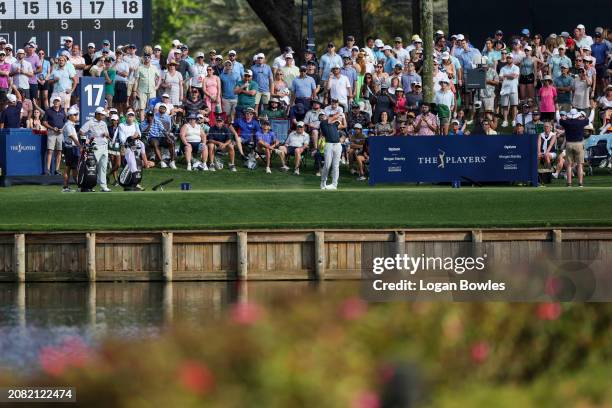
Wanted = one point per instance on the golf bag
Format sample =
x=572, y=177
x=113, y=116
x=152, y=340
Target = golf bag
x=87, y=175
x=128, y=179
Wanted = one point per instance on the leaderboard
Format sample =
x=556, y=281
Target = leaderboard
x=47, y=22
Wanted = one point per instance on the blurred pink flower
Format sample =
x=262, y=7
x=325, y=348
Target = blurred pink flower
x=72, y=352
x=480, y=352
x=548, y=311
x=353, y=308
x=196, y=377
x=246, y=313
x=366, y=399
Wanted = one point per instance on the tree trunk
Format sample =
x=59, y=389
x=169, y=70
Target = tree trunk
x=352, y=20
x=281, y=18
x=416, y=16
x=427, y=36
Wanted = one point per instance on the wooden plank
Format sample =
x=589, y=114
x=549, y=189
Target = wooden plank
x=418, y=236
x=127, y=238
x=74, y=238
x=226, y=237
x=359, y=236
x=493, y=235
x=280, y=237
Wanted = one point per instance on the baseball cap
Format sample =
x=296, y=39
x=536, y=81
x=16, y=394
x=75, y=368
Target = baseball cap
x=72, y=111
x=131, y=113
x=200, y=116
x=248, y=72
x=260, y=55
x=218, y=118
x=250, y=110
x=231, y=52
x=350, y=38
x=101, y=110
x=176, y=43
x=564, y=34
x=300, y=124
x=455, y=121
x=20, y=51
x=56, y=98
x=219, y=57
x=445, y=55
x=184, y=47
x=580, y=26
x=525, y=31
x=2, y=52
x=67, y=39
x=9, y=46
x=106, y=42
x=399, y=89
x=439, y=32
x=91, y=45
x=157, y=47
x=165, y=95
x=398, y=39
x=378, y=43
x=599, y=30
x=416, y=83
x=303, y=68
x=547, y=78
x=289, y=56
x=114, y=117
x=499, y=32
x=162, y=105
x=561, y=46
x=227, y=62
x=387, y=47
x=11, y=98
x=527, y=47
x=2, y=40
x=564, y=65
x=460, y=37
x=358, y=126
x=573, y=113
x=597, y=34
x=398, y=65
x=200, y=55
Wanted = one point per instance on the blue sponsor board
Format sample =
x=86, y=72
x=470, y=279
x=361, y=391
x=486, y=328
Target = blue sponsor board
x=437, y=159
x=91, y=90
x=21, y=152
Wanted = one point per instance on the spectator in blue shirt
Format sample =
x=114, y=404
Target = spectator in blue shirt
x=262, y=75
x=351, y=73
x=229, y=80
x=390, y=60
x=10, y=117
x=599, y=50
x=329, y=60
x=244, y=129
x=303, y=88
x=237, y=67
x=267, y=143
x=455, y=128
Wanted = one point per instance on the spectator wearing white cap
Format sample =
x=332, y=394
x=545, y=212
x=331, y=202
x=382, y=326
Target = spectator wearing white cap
x=64, y=82
x=339, y=87
x=96, y=130
x=157, y=59
x=197, y=72
x=557, y=59
x=263, y=77
x=5, y=72
x=581, y=39
x=54, y=121
x=10, y=58
x=71, y=145
x=400, y=52
x=133, y=62
x=237, y=66
x=509, y=75
x=445, y=101
x=65, y=46
x=389, y=58
x=22, y=71
x=328, y=60
x=146, y=84
x=10, y=117
x=36, y=63
x=487, y=95
x=296, y=144
x=176, y=46
x=89, y=56
x=289, y=70
x=582, y=91
x=281, y=60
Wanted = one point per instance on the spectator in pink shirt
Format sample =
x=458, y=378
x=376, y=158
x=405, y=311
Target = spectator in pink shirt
x=548, y=98
x=5, y=71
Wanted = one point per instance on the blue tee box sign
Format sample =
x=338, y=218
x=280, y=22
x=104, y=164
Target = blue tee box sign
x=91, y=90
x=436, y=159
x=21, y=152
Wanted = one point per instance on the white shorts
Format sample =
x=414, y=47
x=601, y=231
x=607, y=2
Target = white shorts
x=509, y=99
x=553, y=155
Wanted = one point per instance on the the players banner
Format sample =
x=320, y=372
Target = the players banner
x=21, y=152
x=499, y=158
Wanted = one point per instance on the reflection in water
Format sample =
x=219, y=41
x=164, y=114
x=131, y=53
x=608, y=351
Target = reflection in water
x=36, y=315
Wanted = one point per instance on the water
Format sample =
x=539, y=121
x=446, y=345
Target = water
x=36, y=315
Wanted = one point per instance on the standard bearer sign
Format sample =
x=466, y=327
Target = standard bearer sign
x=92, y=94
x=47, y=22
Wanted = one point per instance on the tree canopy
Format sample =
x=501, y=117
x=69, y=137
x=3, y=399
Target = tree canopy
x=233, y=24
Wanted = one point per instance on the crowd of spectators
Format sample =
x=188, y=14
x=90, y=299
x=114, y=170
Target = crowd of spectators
x=203, y=104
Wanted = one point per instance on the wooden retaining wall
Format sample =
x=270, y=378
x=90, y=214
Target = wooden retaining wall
x=260, y=254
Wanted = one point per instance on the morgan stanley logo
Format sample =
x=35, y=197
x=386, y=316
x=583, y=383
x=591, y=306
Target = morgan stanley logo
x=442, y=159
x=23, y=148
